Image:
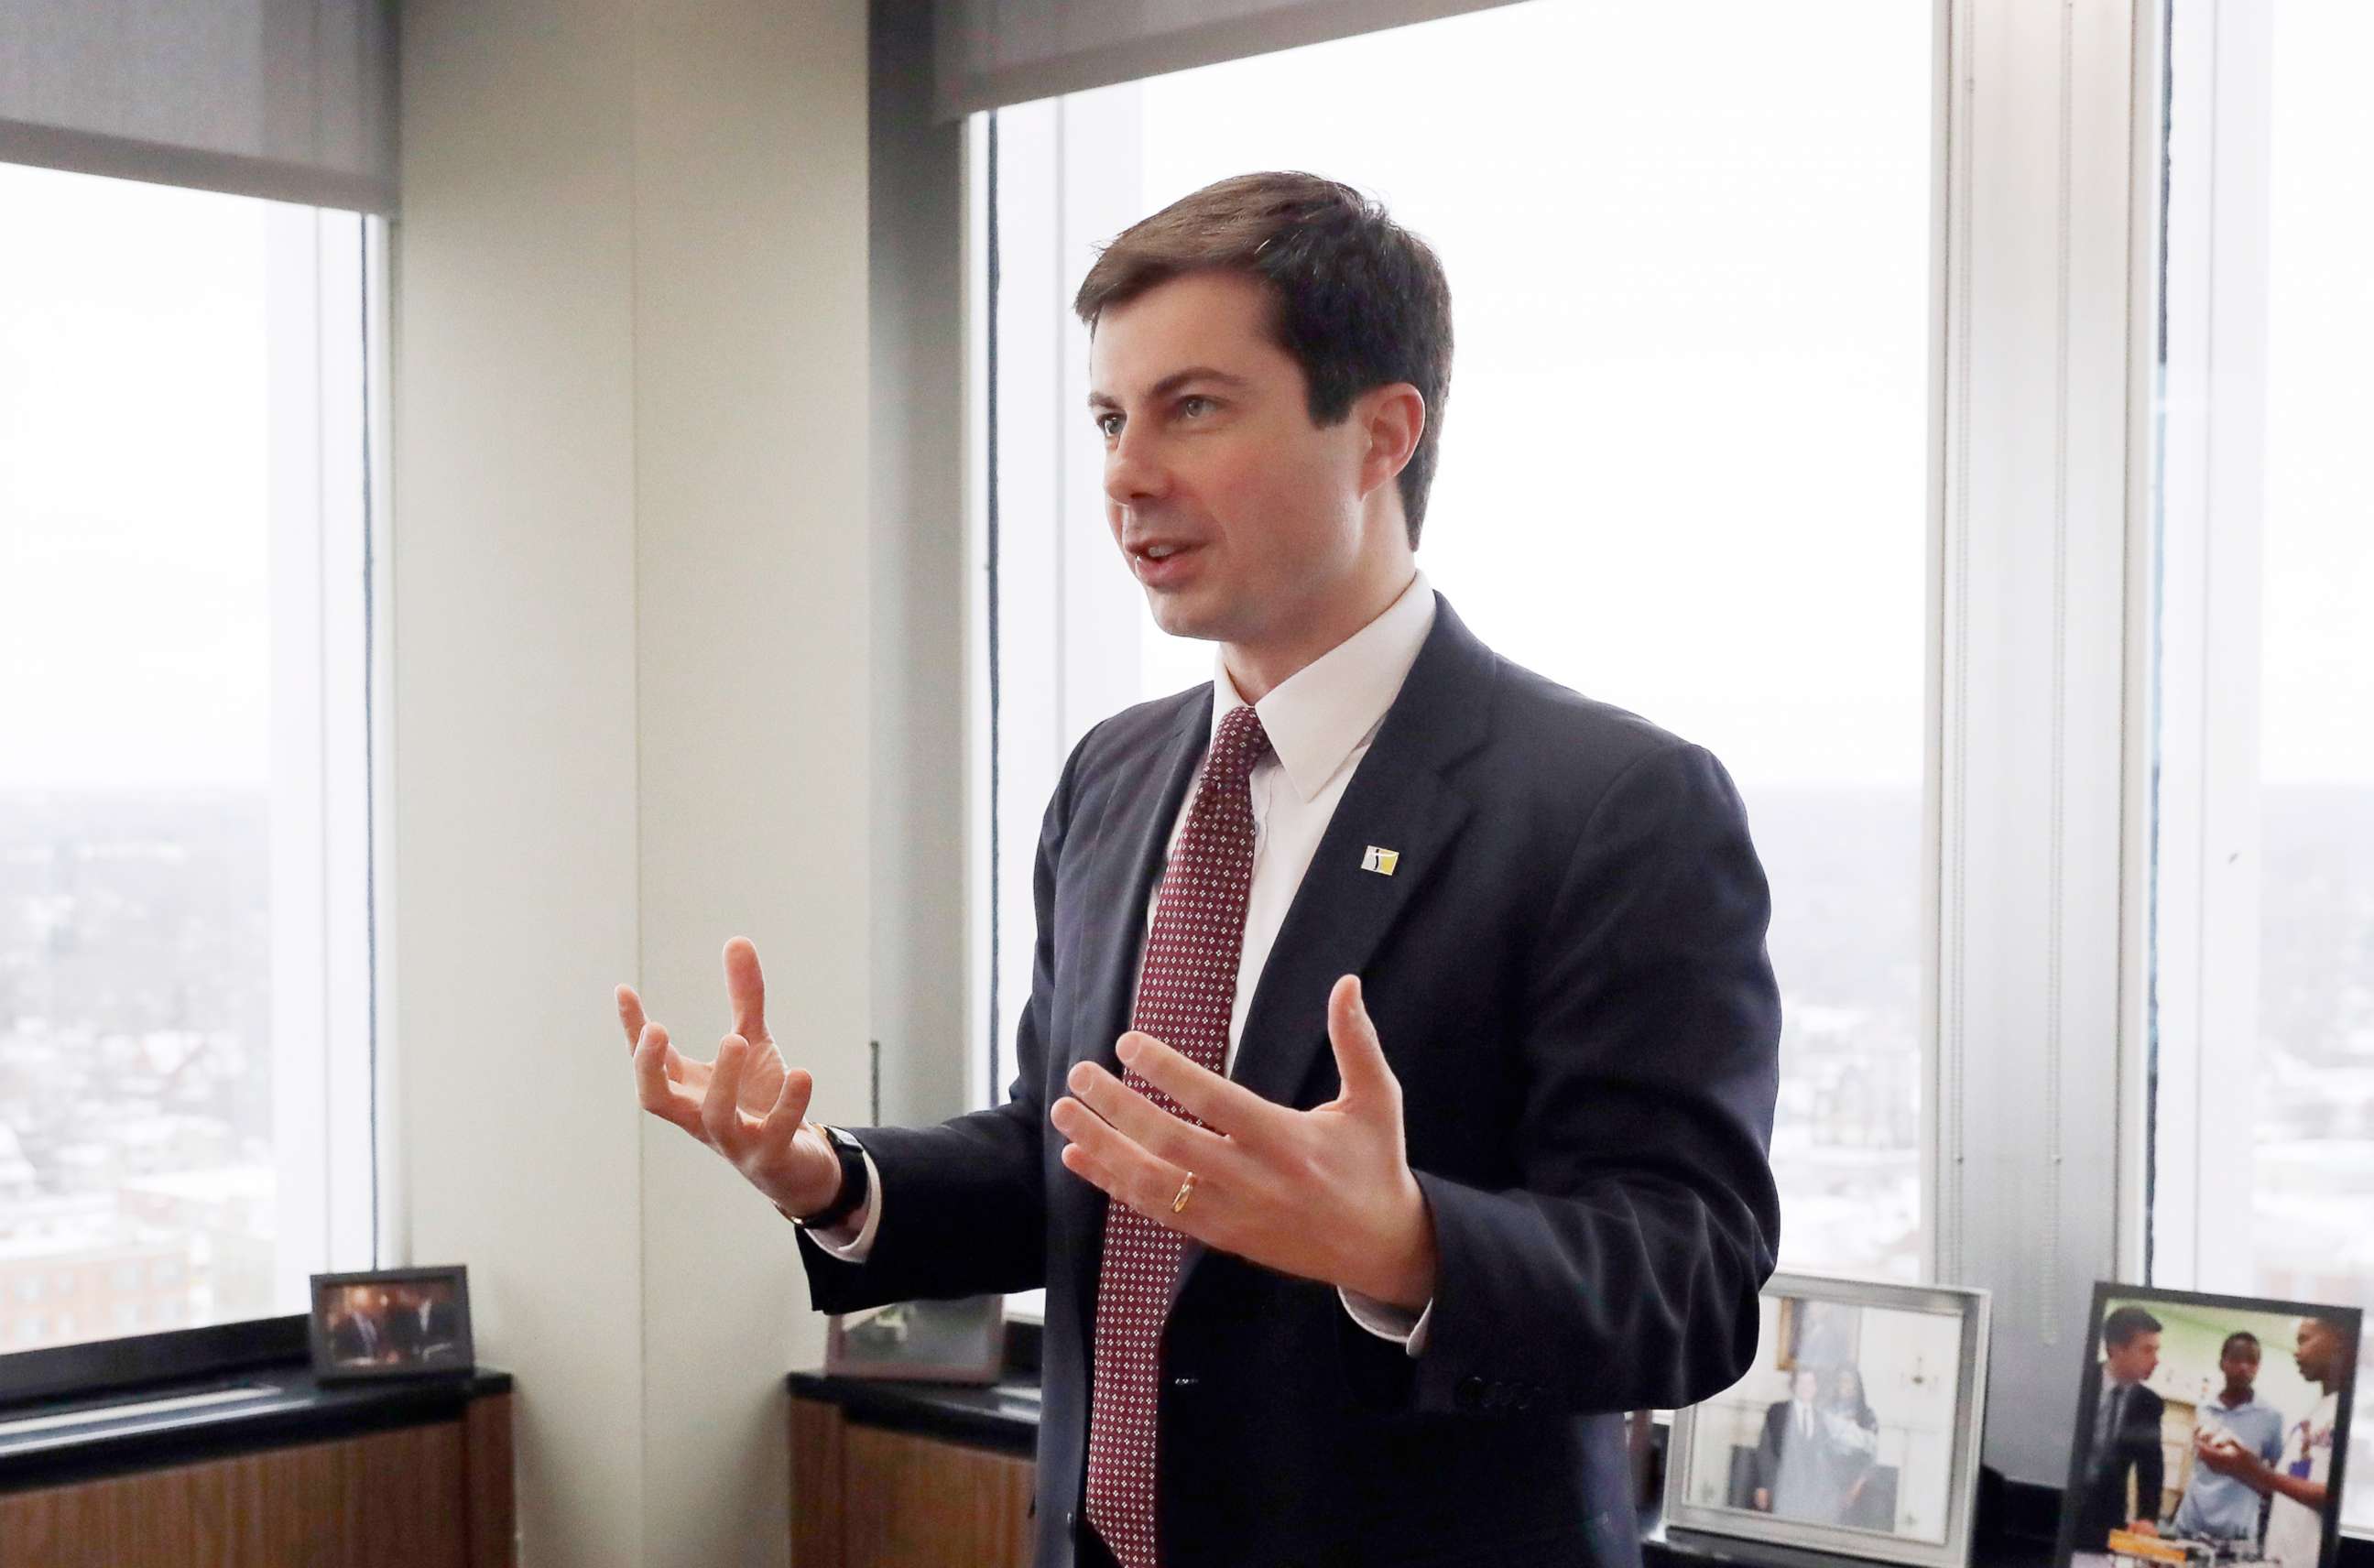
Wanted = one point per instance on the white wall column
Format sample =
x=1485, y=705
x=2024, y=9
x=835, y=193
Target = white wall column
x=630, y=596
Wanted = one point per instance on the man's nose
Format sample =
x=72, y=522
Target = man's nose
x=1134, y=471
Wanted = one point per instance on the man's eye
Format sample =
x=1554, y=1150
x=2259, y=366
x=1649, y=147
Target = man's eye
x=1194, y=404
x=1108, y=425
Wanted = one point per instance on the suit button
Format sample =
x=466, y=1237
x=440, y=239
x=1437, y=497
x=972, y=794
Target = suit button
x=1184, y=1380
x=1071, y=1518
x=1469, y=1395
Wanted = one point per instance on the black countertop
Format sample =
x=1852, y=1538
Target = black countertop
x=67, y=1439
x=1004, y=1415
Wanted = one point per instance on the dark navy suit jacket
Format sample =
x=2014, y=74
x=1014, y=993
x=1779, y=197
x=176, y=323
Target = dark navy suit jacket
x=1568, y=970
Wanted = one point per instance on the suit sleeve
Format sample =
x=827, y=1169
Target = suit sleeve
x=1768, y=1452
x=1622, y=1271
x=2150, y=1463
x=964, y=1204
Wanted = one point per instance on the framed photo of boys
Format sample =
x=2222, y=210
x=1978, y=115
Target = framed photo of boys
x=392, y=1322
x=2209, y=1428
x=1856, y=1428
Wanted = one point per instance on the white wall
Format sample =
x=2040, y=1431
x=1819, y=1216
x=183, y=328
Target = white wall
x=631, y=590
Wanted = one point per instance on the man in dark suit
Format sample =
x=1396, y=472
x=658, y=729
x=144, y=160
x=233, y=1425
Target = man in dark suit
x=424, y=1323
x=1795, y=1475
x=2123, y=1434
x=1457, y=977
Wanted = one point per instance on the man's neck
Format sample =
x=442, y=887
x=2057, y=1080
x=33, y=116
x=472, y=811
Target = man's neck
x=2233, y=1398
x=1258, y=671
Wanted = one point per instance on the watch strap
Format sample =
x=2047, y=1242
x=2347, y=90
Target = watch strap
x=853, y=1184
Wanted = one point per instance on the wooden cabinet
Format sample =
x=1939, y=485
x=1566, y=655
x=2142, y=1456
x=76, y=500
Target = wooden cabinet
x=436, y=1495
x=867, y=1496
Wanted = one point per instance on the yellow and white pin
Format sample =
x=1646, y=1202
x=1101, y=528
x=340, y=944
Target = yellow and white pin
x=1380, y=861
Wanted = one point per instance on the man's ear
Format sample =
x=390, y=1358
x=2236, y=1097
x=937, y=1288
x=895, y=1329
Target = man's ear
x=1393, y=416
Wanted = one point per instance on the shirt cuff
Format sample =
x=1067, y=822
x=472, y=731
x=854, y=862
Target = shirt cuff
x=853, y=1238
x=1400, y=1324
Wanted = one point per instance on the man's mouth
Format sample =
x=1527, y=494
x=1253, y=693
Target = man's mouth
x=1163, y=563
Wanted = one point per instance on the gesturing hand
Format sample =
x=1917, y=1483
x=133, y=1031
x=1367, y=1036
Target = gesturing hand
x=1325, y=1194
x=746, y=1104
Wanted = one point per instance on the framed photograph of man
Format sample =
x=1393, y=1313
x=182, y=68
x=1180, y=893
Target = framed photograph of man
x=392, y=1322
x=2208, y=1428
x=1856, y=1428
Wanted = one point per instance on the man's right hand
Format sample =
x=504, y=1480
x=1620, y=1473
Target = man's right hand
x=746, y=1104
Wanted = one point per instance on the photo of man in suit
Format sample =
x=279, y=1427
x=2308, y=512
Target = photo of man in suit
x=1794, y=1472
x=1394, y=1089
x=2124, y=1442
x=425, y=1322
x=359, y=1330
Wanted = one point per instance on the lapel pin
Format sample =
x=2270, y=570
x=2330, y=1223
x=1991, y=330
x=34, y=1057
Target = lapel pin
x=1380, y=861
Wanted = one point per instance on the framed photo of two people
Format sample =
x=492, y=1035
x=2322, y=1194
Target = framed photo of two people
x=1856, y=1428
x=391, y=1323
x=2209, y=1429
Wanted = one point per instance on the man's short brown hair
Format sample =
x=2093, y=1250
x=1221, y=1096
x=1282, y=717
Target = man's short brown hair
x=1361, y=302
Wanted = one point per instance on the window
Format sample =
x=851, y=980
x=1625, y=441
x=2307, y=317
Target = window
x=186, y=1042
x=1637, y=268
x=2262, y=797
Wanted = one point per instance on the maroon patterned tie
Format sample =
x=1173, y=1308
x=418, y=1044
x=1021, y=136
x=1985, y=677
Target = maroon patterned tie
x=1186, y=989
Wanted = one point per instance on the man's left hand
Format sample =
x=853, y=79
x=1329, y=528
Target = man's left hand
x=1324, y=1194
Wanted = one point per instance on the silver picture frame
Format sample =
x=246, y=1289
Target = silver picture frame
x=1891, y=1475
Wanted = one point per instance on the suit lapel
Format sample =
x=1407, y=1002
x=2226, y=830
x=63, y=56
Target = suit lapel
x=1397, y=801
x=1126, y=868
x=1342, y=912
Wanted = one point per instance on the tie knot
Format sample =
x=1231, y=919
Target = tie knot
x=1240, y=743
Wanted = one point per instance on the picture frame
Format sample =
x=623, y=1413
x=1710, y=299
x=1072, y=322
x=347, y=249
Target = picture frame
x=961, y=1340
x=2171, y=1381
x=1855, y=1431
x=372, y=1324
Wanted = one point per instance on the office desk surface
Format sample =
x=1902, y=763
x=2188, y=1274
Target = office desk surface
x=69, y=1440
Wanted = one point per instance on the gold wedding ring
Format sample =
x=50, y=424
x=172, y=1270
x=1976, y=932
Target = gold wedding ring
x=1186, y=1191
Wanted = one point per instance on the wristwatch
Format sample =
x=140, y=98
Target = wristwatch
x=853, y=1183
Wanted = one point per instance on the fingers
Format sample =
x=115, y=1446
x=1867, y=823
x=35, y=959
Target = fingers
x=721, y=1109
x=658, y=1095
x=791, y=1106
x=745, y=986
x=1169, y=1138
x=1116, y=1163
x=631, y=1015
x=1359, y=1055
x=1203, y=1093
x=1144, y=1122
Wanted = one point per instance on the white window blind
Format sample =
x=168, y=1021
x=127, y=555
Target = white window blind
x=289, y=100
x=993, y=52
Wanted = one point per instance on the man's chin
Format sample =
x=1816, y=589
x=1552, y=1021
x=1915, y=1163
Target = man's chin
x=1179, y=616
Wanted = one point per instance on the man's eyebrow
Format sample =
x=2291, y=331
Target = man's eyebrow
x=1171, y=384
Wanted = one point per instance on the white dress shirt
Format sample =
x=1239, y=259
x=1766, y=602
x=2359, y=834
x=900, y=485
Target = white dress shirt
x=1321, y=721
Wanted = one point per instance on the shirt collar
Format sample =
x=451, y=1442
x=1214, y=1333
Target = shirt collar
x=1318, y=715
